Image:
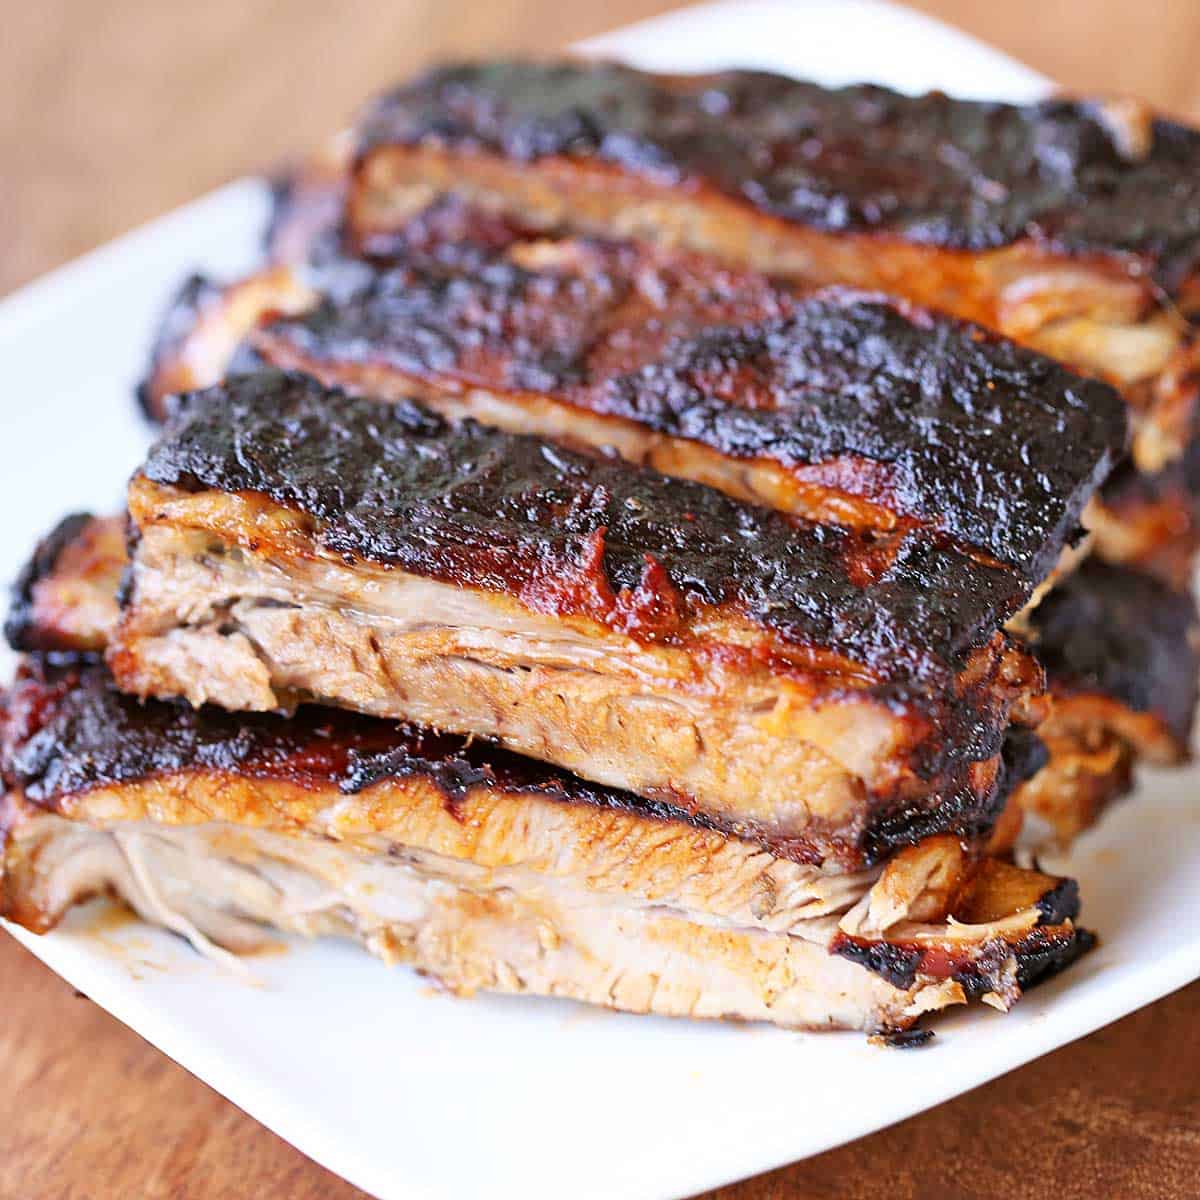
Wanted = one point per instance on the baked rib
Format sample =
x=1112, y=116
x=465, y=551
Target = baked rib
x=1122, y=657
x=1150, y=522
x=837, y=406
x=485, y=870
x=1072, y=226
x=65, y=597
x=838, y=691
x=1119, y=652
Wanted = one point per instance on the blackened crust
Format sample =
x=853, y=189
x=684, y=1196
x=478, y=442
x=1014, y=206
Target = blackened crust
x=1043, y=953
x=928, y=169
x=1124, y=635
x=1060, y=903
x=1024, y=755
x=929, y=417
x=22, y=630
x=567, y=532
x=1039, y=954
x=962, y=811
x=906, y=1039
x=896, y=964
x=448, y=234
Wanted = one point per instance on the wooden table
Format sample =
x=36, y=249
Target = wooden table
x=117, y=110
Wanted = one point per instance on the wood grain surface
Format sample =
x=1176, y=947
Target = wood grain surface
x=118, y=110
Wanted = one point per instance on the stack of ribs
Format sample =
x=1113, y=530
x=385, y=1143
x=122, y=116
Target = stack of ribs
x=647, y=540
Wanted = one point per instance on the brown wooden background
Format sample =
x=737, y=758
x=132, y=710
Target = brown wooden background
x=113, y=111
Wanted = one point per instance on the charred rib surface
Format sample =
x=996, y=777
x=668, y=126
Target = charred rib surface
x=1063, y=224
x=929, y=169
x=838, y=406
x=486, y=870
x=645, y=632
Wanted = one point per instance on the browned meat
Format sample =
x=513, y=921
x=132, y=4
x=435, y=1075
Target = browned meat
x=1148, y=521
x=202, y=335
x=484, y=869
x=838, y=406
x=1127, y=641
x=1119, y=651
x=1073, y=227
x=1122, y=655
x=1151, y=522
x=65, y=597
x=838, y=692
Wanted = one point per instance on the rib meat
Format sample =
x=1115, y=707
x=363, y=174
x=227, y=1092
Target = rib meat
x=65, y=597
x=842, y=692
x=1119, y=651
x=486, y=870
x=1071, y=226
x=1122, y=657
x=837, y=406
x=308, y=201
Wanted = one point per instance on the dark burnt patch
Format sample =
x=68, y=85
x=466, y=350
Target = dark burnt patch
x=567, y=532
x=895, y=963
x=1125, y=635
x=1024, y=754
x=448, y=234
x=928, y=169
x=22, y=630
x=926, y=416
x=1043, y=953
x=906, y=1039
x=964, y=811
x=1060, y=903
x=977, y=969
x=969, y=812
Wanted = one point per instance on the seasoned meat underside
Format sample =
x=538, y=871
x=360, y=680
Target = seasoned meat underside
x=1060, y=225
x=800, y=681
x=484, y=869
x=780, y=756
x=1105, y=717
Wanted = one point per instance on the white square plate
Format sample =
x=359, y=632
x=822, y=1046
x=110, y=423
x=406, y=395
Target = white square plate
x=413, y=1095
